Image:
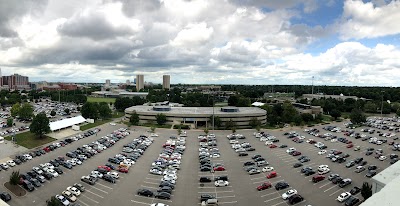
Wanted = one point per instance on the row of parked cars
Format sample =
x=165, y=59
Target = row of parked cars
x=11, y=130
x=166, y=165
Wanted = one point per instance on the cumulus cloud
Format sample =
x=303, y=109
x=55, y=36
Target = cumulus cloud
x=369, y=20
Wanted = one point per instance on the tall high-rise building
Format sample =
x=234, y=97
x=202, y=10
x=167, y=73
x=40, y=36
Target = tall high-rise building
x=15, y=82
x=108, y=83
x=139, y=82
x=166, y=82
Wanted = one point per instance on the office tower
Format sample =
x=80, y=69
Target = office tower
x=139, y=82
x=108, y=83
x=166, y=81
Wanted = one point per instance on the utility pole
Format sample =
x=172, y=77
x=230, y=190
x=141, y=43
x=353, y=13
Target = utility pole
x=382, y=104
x=312, y=86
x=213, y=115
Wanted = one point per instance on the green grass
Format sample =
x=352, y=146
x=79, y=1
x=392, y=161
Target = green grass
x=100, y=99
x=29, y=140
x=95, y=124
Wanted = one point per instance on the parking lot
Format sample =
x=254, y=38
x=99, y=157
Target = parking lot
x=242, y=186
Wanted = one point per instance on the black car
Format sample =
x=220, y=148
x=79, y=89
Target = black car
x=351, y=201
x=250, y=149
x=114, y=160
x=32, y=174
x=47, y=175
x=283, y=146
x=166, y=183
x=5, y=196
x=205, y=169
x=248, y=163
x=372, y=167
x=358, y=160
x=350, y=164
x=145, y=192
x=297, y=164
x=224, y=178
x=110, y=166
x=163, y=195
x=28, y=186
x=17, y=161
x=255, y=156
x=281, y=185
x=80, y=187
x=355, y=190
x=309, y=172
x=58, y=170
x=205, y=197
x=305, y=169
x=205, y=179
x=371, y=173
x=108, y=178
x=337, y=180
x=35, y=182
x=241, y=154
x=362, y=163
x=165, y=189
x=295, y=199
x=392, y=161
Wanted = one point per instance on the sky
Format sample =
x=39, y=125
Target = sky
x=338, y=42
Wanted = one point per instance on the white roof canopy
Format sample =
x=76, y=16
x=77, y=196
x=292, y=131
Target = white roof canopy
x=66, y=123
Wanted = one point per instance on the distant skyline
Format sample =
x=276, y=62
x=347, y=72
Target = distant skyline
x=339, y=42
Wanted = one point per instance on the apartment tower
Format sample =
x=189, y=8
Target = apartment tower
x=139, y=82
x=166, y=82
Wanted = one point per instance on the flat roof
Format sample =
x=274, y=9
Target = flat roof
x=387, y=196
x=388, y=174
x=66, y=123
x=198, y=110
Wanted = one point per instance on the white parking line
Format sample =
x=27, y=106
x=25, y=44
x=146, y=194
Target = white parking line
x=105, y=186
x=329, y=188
x=231, y=196
x=98, y=189
x=215, y=192
x=335, y=192
x=152, y=183
x=213, y=187
x=90, y=199
x=256, y=178
x=140, y=202
x=221, y=203
x=269, y=194
x=273, y=199
x=82, y=202
x=149, y=187
x=278, y=203
x=157, y=179
x=94, y=194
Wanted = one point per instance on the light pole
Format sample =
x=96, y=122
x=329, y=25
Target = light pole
x=382, y=104
x=213, y=115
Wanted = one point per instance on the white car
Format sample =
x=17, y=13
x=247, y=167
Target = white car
x=323, y=171
x=112, y=124
x=63, y=200
x=344, y=196
x=215, y=155
x=37, y=170
x=333, y=140
x=97, y=174
x=171, y=176
x=155, y=172
x=288, y=194
x=4, y=165
x=113, y=174
x=267, y=143
x=290, y=150
x=77, y=161
x=168, y=179
x=27, y=156
x=52, y=172
x=321, y=167
x=169, y=172
x=233, y=141
x=221, y=183
x=11, y=163
x=153, y=135
x=74, y=190
x=267, y=169
x=69, y=195
x=381, y=158
x=322, y=152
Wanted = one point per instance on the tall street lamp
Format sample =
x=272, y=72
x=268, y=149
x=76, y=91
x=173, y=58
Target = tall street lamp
x=382, y=104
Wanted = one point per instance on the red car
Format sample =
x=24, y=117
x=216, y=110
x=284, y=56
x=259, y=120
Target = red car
x=391, y=143
x=349, y=145
x=219, y=168
x=271, y=175
x=318, y=178
x=312, y=142
x=105, y=167
x=272, y=146
x=296, y=153
x=47, y=149
x=337, y=152
x=349, y=142
x=264, y=186
x=123, y=170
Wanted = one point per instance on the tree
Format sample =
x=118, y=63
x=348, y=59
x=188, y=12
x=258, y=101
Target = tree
x=179, y=130
x=10, y=122
x=357, y=117
x=335, y=114
x=233, y=100
x=233, y=130
x=89, y=110
x=53, y=113
x=230, y=124
x=289, y=112
x=15, y=109
x=53, y=201
x=366, y=190
x=370, y=107
x=307, y=117
x=152, y=129
x=40, y=124
x=26, y=112
x=66, y=110
x=161, y=118
x=318, y=118
x=217, y=121
x=298, y=120
x=398, y=112
x=254, y=122
x=14, y=178
x=258, y=128
x=104, y=110
x=134, y=119
x=206, y=131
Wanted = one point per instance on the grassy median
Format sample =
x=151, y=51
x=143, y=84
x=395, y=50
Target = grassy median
x=95, y=124
x=30, y=140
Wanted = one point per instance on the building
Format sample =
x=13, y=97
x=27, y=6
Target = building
x=119, y=93
x=15, y=82
x=321, y=95
x=108, y=83
x=198, y=116
x=166, y=82
x=139, y=82
x=305, y=108
x=385, y=187
x=128, y=82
